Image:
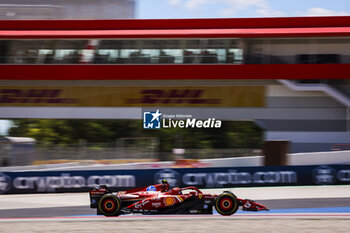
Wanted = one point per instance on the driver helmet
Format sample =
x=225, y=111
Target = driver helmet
x=165, y=185
x=151, y=188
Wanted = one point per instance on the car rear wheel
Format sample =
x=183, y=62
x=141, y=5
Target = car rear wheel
x=109, y=205
x=226, y=204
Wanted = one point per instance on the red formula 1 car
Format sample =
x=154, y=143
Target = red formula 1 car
x=158, y=199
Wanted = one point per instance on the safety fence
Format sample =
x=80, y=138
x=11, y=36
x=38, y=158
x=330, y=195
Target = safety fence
x=223, y=177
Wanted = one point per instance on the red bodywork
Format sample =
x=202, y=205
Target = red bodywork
x=159, y=200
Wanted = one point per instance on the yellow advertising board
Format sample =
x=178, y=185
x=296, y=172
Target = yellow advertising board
x=133, y=96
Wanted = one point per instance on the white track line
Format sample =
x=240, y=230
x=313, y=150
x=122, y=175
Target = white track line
x=183, y=217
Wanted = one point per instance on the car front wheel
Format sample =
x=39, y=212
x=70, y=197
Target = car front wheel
x=226, y=204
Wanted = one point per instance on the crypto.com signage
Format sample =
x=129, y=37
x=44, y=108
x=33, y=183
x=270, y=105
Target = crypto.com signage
x=215, y=177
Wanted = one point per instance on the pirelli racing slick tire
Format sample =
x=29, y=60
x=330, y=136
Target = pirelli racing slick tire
x=109, y=205
x=226, y=204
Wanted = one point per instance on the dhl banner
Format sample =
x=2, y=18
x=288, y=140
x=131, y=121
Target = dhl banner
x=133, y=96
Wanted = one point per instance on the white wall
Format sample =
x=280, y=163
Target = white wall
x=315, y=158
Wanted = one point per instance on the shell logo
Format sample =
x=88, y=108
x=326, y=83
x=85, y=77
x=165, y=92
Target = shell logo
x=168, y=201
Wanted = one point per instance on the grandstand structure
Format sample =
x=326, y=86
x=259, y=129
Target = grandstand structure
x=289, y=75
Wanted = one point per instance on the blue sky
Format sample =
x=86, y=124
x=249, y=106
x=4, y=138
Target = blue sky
x=150, y=9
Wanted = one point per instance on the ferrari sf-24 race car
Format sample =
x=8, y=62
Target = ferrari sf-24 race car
x=158, y=199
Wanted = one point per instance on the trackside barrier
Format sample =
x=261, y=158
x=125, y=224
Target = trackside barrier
x=80, y=181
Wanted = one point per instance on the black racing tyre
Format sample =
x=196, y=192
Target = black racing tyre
x=109, y=205
x=226, y=204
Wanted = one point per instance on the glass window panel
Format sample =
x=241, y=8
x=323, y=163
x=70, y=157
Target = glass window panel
x=161, y=44
x=151, y=54
x=5, y=50
x=119, y=44
x=171, y=44
x=208, y=56
x=214, y=43
x=192, y=44
x=235, y=56
x=171, y=56
x=214, y=56
x=66, y=56
x=221, y=55
x=70, y=44
x=191, y=55
x=45, y=56
x=152, y=44
x=105, y=56
x=127, y=53
x=133, y=56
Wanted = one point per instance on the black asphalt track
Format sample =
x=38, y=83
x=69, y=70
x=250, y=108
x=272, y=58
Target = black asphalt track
x=85, y=210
